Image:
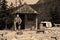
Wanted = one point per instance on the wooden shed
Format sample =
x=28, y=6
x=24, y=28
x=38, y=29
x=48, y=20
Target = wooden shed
x=28, y=16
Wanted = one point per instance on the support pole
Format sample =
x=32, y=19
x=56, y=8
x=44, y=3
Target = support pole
x=36, y=23
x=25, y=20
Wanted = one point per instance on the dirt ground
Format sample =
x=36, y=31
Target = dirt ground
x=49, y=34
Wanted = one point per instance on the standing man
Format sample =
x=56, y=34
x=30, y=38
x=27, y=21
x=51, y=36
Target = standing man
x=17, y=22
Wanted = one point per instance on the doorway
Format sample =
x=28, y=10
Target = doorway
x=22, y=16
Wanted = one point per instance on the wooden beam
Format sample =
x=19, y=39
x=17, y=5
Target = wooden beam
x=36, y=23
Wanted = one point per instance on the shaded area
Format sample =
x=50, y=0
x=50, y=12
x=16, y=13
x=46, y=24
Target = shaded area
x=22, y=16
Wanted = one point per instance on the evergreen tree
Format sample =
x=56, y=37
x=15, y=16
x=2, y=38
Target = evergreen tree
x=3, y=8
x=3, y=12
x=3, y=5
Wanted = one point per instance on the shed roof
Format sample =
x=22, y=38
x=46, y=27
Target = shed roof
x=26, y=9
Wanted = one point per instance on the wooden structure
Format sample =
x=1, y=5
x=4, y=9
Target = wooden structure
x=28, y=16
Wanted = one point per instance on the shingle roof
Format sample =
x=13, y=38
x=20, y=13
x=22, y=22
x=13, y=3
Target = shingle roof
x=26, y=9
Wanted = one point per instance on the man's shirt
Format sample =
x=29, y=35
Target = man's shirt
x=18, y=20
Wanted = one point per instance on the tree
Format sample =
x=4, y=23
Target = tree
x=11, y=5
x=3, y=11
x=3, y=5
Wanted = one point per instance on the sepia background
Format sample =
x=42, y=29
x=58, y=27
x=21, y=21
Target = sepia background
x=47, y=10
x=29, y=19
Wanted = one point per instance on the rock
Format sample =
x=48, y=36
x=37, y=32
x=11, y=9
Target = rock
x=19, y=33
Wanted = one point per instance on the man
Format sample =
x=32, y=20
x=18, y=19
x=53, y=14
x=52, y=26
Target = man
x=17, y=22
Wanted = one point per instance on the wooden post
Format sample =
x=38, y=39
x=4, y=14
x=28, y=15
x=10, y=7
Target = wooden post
x=36, y=23
x=25, y=20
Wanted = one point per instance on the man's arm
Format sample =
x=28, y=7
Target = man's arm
x=20, y=21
